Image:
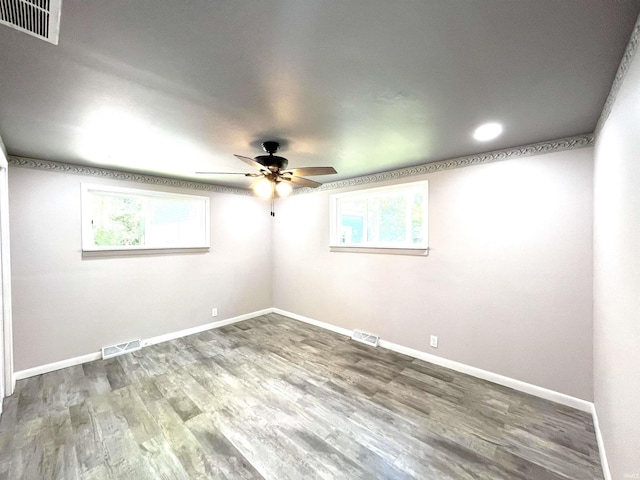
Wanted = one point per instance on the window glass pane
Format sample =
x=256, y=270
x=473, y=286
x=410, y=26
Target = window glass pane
x=117, y=220
x=173, y=222
x=123, y=218
x=387, y=217
x=393, y=219
x=417, y=215
x=352, y=221
x=373, y=220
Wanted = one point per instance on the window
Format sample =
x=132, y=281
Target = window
x=129, y=219
x=387, y=217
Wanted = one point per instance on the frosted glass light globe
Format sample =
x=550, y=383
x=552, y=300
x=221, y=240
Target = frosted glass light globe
x=264, y=188
x=283, y=188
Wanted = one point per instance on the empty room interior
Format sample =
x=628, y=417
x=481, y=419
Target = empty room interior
x=320, y=239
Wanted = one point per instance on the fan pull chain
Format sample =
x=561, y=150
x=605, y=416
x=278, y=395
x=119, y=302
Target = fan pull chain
x=273, y=214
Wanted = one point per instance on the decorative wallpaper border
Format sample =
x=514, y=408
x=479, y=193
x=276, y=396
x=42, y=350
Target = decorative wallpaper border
x=120, y=175
x=627, y=58
x=559, y=145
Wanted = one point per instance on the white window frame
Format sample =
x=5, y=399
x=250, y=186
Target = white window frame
x=87, y=214
x=377, y=192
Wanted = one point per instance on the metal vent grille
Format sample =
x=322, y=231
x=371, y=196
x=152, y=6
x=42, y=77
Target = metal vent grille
x=40, y=18
x=121, y=348
x=364, y=337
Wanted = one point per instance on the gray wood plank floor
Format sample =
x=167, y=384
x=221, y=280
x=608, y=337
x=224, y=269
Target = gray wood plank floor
x=274, y=398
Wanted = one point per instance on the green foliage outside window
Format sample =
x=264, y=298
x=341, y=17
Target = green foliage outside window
x=119, y=221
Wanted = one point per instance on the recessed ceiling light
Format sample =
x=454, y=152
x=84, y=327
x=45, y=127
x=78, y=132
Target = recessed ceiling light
x=488, y=131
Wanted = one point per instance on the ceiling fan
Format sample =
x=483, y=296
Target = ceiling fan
x=273, y=177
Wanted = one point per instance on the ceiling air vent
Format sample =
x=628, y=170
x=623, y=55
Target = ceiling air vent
x=40, y=18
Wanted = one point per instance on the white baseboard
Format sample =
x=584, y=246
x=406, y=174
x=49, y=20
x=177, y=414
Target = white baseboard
x=443, y=362
x=521, y=386
x=201, y=328
x=603, y=455
x=70, y=362
x=312, y=321
x=50, y=367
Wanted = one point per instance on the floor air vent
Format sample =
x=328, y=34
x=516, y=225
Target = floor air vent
x=121, y=348
x=40, y=18
x=364, y=337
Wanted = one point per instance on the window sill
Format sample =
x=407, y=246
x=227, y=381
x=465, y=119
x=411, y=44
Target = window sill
x=419, y=252
x=141, y=251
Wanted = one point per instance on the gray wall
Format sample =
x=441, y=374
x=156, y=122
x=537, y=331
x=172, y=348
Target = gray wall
x=65, y=306
x=507, y=285
x=617, y=279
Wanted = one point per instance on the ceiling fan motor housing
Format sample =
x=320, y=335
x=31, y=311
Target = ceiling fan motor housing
x=272, y=162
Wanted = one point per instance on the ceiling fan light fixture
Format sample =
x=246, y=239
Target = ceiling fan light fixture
x=487, y=131
x=283, y=188
x=264, y=188
x=275, y=179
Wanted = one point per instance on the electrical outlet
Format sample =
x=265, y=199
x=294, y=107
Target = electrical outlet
x=434, y=341
x=214, y=312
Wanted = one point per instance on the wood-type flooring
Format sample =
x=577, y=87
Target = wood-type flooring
x=278, y=399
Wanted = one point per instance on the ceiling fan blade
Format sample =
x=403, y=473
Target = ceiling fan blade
x=311, y=171
x=251, y=161
x=304, y=182
x=228, y=173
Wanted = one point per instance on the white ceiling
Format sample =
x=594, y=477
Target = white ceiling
x=364, y=85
